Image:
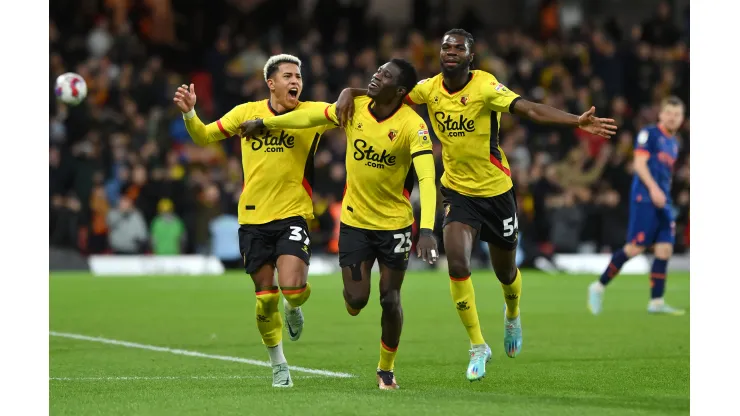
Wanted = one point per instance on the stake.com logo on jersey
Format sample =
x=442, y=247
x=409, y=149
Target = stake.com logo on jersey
x=374, y=159
x=273, y=144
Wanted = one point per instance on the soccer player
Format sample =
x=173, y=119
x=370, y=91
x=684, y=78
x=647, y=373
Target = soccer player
x=385, y=138
x=465, y=107
x=275, y=202
x=651, y=217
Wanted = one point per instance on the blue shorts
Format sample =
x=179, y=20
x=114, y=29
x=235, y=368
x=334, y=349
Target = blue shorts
x=649, y=225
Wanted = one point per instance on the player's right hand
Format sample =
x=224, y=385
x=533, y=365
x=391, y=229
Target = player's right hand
x=345, y=107
x=250, y=128
x=426, y=248
x=185, y=98
x=658, y=197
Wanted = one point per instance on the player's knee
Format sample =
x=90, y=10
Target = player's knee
x=355, y=301
x=663, y=251
x=632, y=250
x=458, y=267
x=390, y=300
x=296, y=296
x=505, y=273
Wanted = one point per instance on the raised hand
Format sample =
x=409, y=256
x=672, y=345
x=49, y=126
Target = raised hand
x=603, y=127
x=185, y=98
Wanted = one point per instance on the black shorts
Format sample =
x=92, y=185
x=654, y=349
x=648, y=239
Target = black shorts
x=494, y=218
x=391, y=248
x=264, y=243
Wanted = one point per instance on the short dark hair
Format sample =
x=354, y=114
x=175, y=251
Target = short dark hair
x=272, y=64
x=469, y=40
x=672, y=100
x=408, y=77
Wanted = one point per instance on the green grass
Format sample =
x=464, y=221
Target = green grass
x=623, y=362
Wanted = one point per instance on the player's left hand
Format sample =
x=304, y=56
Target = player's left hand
x=345, y=107
x=604, y=127
x=250, y=128
x=426, y=248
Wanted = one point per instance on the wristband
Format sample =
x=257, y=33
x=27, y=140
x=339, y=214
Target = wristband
x=190, y=114
x=426, y=231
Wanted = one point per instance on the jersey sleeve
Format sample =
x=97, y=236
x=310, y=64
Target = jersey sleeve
x=419, y=140
x=644, y=143
x=311, y=116
x=419, y=93
x=222, y=128
x=330, y=113
x=497, y=97
x=423, y=161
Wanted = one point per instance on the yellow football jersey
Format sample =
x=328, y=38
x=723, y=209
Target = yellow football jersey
x=378, y=161
x=278, y=165
x=467, y=124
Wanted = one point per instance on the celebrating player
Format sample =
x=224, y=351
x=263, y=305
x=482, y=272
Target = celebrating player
x=385, y=138
x=651, y=218
x=465, y=106
x=275, y=202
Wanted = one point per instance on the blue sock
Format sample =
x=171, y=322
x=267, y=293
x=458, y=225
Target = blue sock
x=657, y=278
x=618, y=260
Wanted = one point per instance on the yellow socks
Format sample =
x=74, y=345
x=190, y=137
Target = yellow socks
x=463, y=295
x=297, y=296
x=269, y=320
x=387, y=357
x=512, y=293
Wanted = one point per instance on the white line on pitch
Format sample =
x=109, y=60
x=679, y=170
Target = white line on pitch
x=125, y=378
x=194, y=354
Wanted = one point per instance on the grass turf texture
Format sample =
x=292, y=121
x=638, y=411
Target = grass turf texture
x=623, y=362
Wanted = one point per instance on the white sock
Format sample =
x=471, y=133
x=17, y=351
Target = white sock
x=657, y=302
x=599, y=286
x=288, y=305
x=276, y=354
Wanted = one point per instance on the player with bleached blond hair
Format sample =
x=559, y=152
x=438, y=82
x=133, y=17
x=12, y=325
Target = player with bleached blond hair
x=275, y=203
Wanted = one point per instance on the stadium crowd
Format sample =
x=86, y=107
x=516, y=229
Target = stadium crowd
x=125, y=177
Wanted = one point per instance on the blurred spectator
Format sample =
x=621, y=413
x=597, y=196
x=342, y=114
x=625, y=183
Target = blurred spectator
x=567, y=219
x=128, y=231
x=65, y=220
x=208, y=208
x=168, y=230
x=225, y=240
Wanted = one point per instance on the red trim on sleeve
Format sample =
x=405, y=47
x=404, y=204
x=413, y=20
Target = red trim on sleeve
x=326, y=113
x=407, y=194
x=223, y=130
x=642, y=152
x=407, y=99
x=498, y=164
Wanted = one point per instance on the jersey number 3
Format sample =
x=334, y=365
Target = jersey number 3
x=508, y=228
x=404, y=243
x=296, y=234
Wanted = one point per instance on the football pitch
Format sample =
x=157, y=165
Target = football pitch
x=186, y=345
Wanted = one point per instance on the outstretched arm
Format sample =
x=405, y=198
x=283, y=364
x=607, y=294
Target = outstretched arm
x=201, y=133
x=545, y=114
x=313, y=116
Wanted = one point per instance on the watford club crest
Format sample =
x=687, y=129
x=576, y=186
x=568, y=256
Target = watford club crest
x=392, y=134
x=464, y=99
